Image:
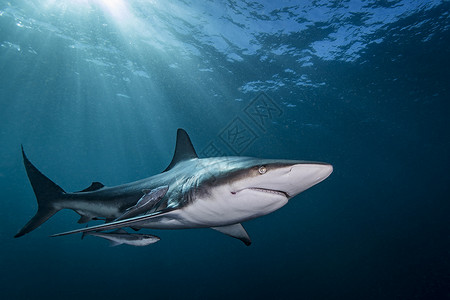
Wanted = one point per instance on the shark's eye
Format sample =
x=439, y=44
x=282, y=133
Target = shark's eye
x=262, y=170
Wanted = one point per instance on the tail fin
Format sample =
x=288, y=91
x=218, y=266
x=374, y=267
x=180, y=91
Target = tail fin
x=46, y=191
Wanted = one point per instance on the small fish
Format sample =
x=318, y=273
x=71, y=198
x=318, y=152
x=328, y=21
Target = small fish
x=120, y=236
x=144, y=204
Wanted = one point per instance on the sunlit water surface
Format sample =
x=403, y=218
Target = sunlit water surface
x=95, y=90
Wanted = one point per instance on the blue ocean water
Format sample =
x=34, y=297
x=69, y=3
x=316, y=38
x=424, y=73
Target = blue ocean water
x=95, y=91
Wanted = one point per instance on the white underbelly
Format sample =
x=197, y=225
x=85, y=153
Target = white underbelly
x=214, y=213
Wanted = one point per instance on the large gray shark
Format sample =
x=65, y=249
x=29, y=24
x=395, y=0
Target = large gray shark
x=215, y=192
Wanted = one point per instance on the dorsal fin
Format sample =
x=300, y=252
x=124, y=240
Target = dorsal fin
x=183, y=149
x=93, y=187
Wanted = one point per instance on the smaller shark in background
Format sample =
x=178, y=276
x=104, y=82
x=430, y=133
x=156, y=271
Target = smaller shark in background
x=120, y=236
x=214, y=192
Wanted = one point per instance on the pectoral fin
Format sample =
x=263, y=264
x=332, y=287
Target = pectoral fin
x=237, y=231
x=114, y=243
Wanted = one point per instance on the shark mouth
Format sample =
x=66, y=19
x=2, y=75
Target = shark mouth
x=276, y=192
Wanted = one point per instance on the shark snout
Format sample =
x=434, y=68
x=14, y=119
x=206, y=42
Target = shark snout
x=305, y=175
x=312, y=171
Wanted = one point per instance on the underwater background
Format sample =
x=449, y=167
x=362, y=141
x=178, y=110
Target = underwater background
x=95, y=91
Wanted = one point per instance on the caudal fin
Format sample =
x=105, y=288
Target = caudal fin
x=47, y=193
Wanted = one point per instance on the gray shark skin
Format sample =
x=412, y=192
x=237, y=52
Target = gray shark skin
x=120, y=237
x=214, y=192
x=146, y=203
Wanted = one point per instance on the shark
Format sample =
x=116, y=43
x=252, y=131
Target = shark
x=213, y=192
x=120, y=236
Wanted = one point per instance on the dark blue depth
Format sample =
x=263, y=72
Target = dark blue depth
x=95, y=90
